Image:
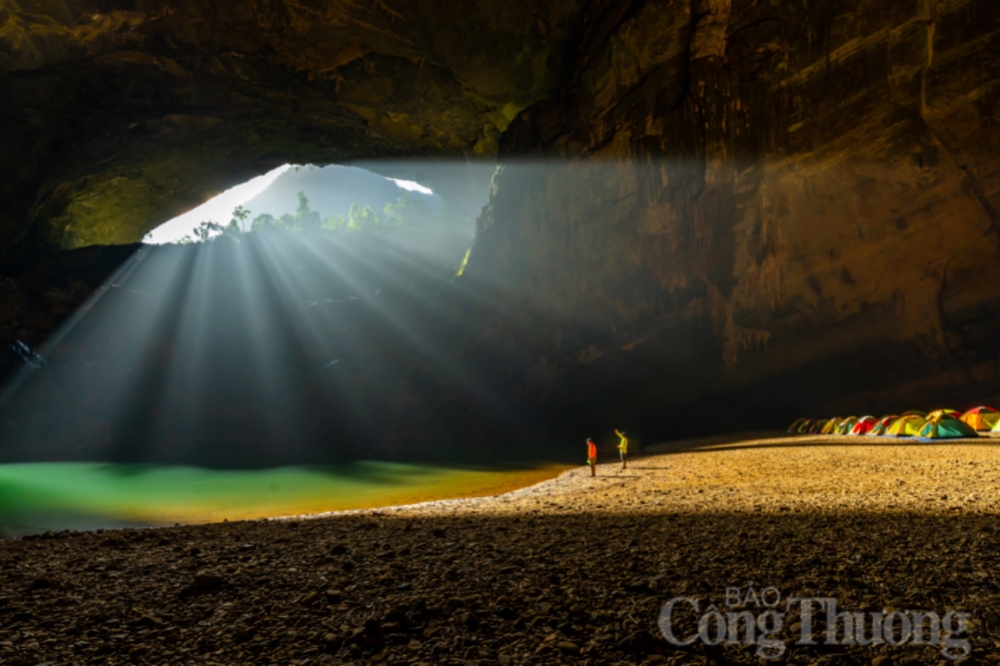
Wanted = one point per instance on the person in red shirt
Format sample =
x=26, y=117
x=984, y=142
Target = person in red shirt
x=592, y=456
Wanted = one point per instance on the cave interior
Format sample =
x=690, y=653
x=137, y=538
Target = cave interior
x=702, y=216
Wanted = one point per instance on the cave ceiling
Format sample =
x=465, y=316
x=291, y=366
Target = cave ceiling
x=117, y=115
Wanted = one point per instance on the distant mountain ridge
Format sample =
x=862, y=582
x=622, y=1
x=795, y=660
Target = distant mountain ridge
x=331, y=190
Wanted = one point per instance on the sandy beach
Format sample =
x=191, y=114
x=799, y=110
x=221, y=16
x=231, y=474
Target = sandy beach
x=573, y=570
x=762, y=472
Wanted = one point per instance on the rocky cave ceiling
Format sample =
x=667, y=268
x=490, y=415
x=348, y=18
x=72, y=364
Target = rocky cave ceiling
x=115, y=115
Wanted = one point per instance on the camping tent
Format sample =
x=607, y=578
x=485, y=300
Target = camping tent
x=817, y=426
x=981, y=418
x=797, y=425
x=946, y=428
x=845, y=426
x=905, y=426
x=804, y=426
x=883, y=425
x=914, y=412
x=938, y=413
x=864, y=425
x=831, y=426
x=996, y=428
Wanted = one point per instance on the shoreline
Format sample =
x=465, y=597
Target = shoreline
x=448, y=502
x=695, y=476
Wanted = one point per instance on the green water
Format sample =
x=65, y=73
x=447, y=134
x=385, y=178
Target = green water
x=35, y=497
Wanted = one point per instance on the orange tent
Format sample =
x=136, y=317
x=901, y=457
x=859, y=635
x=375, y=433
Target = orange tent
x=981, y=418
x=906, y=426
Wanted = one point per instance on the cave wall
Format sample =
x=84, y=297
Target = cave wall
x=749, y=207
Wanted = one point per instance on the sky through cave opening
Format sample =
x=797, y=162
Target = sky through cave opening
x=274, y=193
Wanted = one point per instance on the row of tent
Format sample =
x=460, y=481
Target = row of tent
x=939, y=424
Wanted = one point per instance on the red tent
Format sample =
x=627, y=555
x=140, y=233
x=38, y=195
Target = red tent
x=864, y=425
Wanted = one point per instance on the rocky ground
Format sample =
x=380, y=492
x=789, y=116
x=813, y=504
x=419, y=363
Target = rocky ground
x=571, y=571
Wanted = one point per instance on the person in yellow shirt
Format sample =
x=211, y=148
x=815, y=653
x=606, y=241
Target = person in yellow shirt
x=623, y=448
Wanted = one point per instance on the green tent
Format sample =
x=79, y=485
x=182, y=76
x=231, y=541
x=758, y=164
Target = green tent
x=946, y=428
x=844, y=427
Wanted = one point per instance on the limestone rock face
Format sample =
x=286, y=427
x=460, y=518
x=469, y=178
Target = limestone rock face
x=116, y=116
x=790, y=205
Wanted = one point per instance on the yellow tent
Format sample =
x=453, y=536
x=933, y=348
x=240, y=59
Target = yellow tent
x=883, y=425
x=831, y=426
x=941, y=413
x=906, y=426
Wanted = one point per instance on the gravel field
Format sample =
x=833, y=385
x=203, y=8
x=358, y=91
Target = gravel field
x=570, y=571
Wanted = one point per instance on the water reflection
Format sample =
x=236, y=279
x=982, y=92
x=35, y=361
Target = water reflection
x=37, y=497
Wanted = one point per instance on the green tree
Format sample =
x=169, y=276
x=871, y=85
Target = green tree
x=335, y=223
x=263, y=221
x=362, y=219
x=305, y=217
x=236, y=225
x=409, y=210
x=204, y=231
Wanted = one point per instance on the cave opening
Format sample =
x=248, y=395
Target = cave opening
x=286, y=335
x=336, y=197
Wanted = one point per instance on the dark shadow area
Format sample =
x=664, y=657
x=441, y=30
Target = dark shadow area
x=537, y=587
